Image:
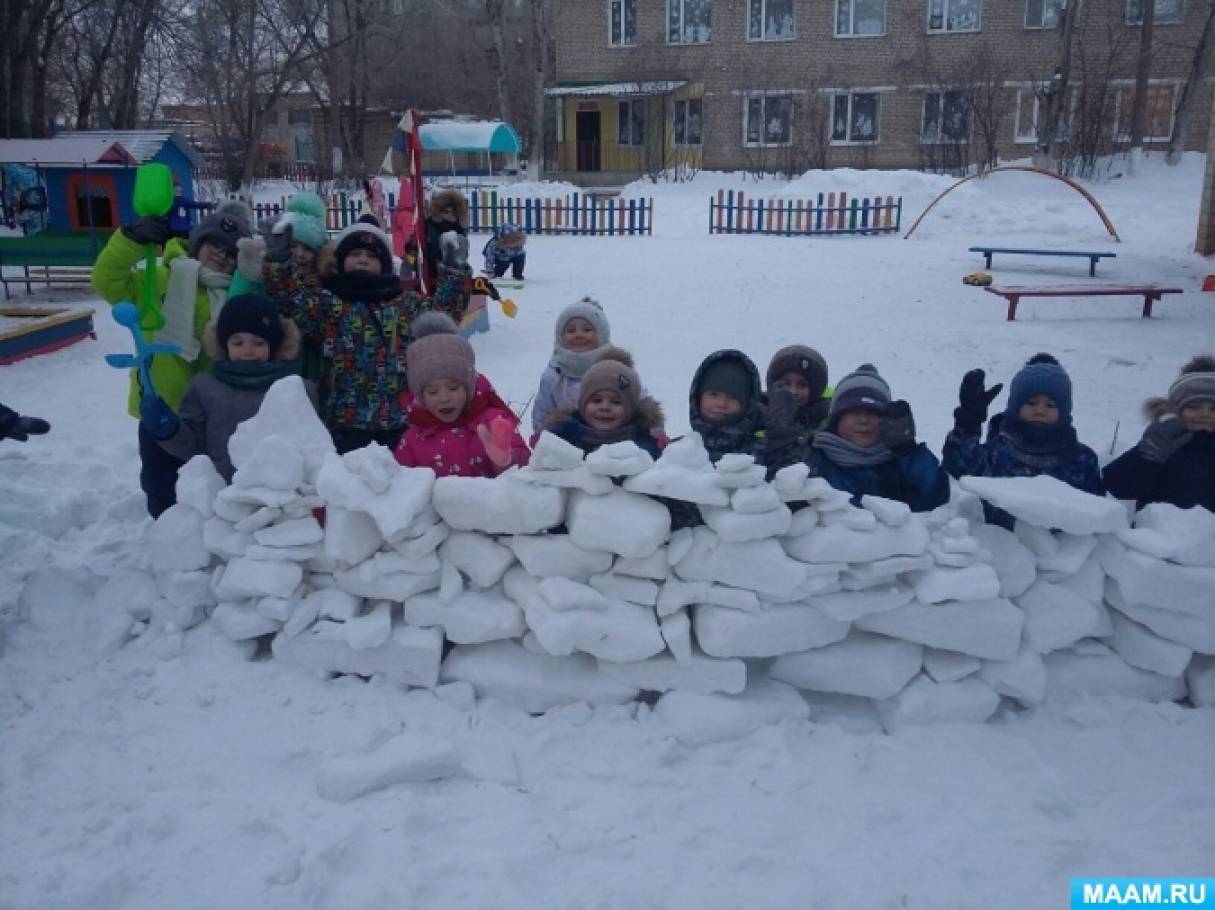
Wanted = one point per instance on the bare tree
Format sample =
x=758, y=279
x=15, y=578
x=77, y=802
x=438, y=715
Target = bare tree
x=542, y=37
x=1053, y=96
x=1143, y=69
x=1200, y=63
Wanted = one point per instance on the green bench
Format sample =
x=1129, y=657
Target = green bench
x=48, y=258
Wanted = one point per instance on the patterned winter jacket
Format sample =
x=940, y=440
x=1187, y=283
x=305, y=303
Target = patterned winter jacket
x=361, y=323
x=1016, y=449
x=456, y=448
x=505, y=244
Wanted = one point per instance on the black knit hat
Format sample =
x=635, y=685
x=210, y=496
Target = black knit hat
x=250, y=313
x=729, y=376
x=363, y=235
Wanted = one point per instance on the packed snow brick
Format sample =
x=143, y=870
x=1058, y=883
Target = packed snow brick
x=1141, y=648
x=549, y=555
x=697, y=719
x=176, y=540
x=926, y=702
x=1056, y=617
x=409, y=657
x=663, y=673
x=989, y=629
x=498, y=505
x=862, y=664
x=1069, y=674
x=620, y=522
x=1049, y=503
x=777, y=629
x=472, y=618
x=478, y=556
x=839, y=543
x=288, y=413
x=1022, y=678
x=760, y=565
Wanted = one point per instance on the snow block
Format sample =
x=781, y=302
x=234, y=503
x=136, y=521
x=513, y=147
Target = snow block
x=619, y=522
x=1022, y=678
x=410, y=656
x=481, y=558
x=949, y=666
x=677, y=482
x=472, y=618
x=619, y=459
x=498, y=506
x=837, y=543
x=287, y=412
x=176, y=540
x=846, y=606
x=1194, y=632
x=1153, y=582
x=621, y=631
x=508, y=672
x=976, y=582
x=1057, y=617
x=696, y=719
x=870, y=665
x=663, y=673
x=774, y=630
x=1145, y=650
x=245, y=578
x=1200, y=681
x=275, y=462
x=1185, y=536
x=760, y=565
x=1069, y=675
x=556, y=555
x=371, y=629
x=186, y=590
x=624, y=587
x=1049, y=503
x=404, y=758
x=926, y=702
x=239, y=621
x=198, y=483
x=731, y=525
x=677, y=633
x=350, y=537
x=675, y=595
x=990, y=629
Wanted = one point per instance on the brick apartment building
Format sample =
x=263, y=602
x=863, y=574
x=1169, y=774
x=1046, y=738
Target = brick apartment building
x=789, y=84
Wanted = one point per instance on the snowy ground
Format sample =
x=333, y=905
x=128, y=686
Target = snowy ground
x=140, y=783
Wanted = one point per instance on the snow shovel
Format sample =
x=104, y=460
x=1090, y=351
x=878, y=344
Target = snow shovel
x=485, y=286
x=126, y=313
x=153, y=196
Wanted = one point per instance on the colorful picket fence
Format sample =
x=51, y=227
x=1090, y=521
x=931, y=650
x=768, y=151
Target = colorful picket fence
x=734, y=213
x=341, y=210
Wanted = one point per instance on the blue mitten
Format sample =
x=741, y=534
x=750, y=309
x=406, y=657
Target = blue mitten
x=157, y=417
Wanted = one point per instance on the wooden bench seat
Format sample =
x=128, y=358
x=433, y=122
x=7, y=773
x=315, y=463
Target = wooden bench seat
x=1091, y=255
x=1149, y=292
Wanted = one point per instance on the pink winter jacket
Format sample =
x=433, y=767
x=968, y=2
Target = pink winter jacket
x=455, y=448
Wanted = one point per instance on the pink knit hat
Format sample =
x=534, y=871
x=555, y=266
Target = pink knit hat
x=439, y=352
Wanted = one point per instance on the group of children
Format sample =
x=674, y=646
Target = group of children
x=391, y=367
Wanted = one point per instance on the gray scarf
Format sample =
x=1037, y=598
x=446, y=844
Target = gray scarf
x=574, y=363
x=848, y=455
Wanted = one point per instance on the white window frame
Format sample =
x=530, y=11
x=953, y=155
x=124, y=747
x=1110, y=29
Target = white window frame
x=944, y=29
x=611, y=5
x=1017, y=138
x=1040, y=27
x=939, y=139
x=1156, y=20
x=852, y=19
x=831, y=119
x=686, y=102
x=748, y=97
x=630, y=103
x=667, y=26
x=763, y=20
x=1123, y=87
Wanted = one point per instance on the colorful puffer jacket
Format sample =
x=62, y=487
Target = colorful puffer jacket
x=115, y=279
x=1016, y=449
x=361, y=324
x=455, y=448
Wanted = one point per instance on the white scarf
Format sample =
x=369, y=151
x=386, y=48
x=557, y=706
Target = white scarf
x=574, y=364
x=185, y=277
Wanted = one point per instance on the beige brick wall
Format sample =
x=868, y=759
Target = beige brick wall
x=904, y=60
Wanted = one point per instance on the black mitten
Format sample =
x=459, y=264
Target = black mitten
x=974, y=400
x=152, y=229
x=898, y=428
x=15, y=426
x=1163, y=437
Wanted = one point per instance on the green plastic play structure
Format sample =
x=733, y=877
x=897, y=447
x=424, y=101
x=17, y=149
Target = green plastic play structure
x=153, y=196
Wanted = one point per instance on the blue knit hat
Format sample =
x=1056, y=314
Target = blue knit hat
x=1041, y=375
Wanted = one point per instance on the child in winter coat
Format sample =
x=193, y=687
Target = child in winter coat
x=582, y=333
x=725, y=405
x=446, y=234
x=612, y=407
x=1034, y=435
x=803, y=371
x=191, y=284
x=1174, y=462
x=457, y=423
x=251, y=348
x=869, y=447
x=360, y=318
x=505, y=250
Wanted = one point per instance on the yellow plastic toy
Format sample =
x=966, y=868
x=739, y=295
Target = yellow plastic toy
x=977, y=279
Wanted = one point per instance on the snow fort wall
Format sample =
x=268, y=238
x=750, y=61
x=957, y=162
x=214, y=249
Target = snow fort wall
x=553, y=587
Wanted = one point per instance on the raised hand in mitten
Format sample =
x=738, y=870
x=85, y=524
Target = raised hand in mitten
x=278, y=242
x=15, y=426
x=250, y=254
x=1163, y=437
x=497, y=438
x=157, y=417
x=454, y=247
x=780, y=416
x=898, y=428
x=153, y=229
x=974, y=400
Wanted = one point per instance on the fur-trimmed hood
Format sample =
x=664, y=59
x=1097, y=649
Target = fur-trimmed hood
x=444, y=198
x=287, y=351
x=649, y=415
x=1158, y=406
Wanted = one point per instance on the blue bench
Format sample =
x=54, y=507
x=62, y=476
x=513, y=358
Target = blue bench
x=1091, y=256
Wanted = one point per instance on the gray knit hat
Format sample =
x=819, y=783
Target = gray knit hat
x=862, y=388
x=439, y=351
x=1196, y=383
x=589, y=309
x=223, y=227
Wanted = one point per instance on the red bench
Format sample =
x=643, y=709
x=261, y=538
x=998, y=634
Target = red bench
x=1149, y=292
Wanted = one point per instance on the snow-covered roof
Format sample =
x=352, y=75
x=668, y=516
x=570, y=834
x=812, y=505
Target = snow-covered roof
x=599, y=89
x=469, y=136
x=142, y=144
x=65, y=150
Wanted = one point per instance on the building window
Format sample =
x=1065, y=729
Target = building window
x=1168, y=12
x=946, y=117
x=689, y=21
x=770, y=20
x=1161, y=103
x=631, y=122
x=687, y=122
x=954, y=15
x=1025, y=127
x=1043, y=13
x=854, y=118
x=622, y=23
x=860, y=17
x=299, y=117
x=768, y=120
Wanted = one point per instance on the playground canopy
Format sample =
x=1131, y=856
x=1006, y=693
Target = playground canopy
x=470, y=136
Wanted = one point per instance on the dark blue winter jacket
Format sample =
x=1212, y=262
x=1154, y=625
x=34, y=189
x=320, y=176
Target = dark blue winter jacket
x=915, y=478
x=1015, y=448
x=1185, y=480
x=574, y=430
